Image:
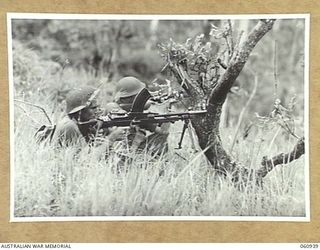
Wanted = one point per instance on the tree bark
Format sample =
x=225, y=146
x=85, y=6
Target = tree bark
x=207, y=128
x=269, y=164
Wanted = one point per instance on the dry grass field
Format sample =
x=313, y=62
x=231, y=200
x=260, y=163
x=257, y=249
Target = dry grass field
x=74, y=181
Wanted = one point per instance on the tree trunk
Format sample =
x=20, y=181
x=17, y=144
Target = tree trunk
x=207, y=128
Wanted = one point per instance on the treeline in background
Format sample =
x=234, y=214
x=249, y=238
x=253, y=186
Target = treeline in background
x=50, y=55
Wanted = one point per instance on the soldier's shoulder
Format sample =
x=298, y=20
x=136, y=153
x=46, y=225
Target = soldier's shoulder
x=67, y=130
x=67, y=123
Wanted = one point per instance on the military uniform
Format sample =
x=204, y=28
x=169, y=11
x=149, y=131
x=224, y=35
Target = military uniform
x=81, y=106
x=150, y=137
x=67, y=133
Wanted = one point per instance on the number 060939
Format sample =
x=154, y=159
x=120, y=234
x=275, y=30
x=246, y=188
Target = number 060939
x=306, y=245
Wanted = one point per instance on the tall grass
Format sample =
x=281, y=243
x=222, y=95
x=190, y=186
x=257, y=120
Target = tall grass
x=73, y=181
x=65, y=182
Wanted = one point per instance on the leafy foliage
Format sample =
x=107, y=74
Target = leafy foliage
x=197, y=60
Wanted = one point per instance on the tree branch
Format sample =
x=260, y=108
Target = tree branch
x=184, y=80
x=270, y=164
x=237, y=62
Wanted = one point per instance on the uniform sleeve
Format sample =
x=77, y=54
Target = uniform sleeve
x=67, y=133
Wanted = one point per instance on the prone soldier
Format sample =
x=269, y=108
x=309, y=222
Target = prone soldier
x=81, y=107
x=151, y=137
x=124, y=120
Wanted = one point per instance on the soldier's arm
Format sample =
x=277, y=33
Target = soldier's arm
x=67, y=133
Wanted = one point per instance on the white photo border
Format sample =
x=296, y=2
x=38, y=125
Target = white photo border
x=306, y=17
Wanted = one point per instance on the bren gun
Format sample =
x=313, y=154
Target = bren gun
x=136, y=116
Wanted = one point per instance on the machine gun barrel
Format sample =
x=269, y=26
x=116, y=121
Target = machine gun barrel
x=144, y=119
x=131, y=119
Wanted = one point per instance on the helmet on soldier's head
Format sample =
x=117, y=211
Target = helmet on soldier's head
x=77, y=99
x=128, y=86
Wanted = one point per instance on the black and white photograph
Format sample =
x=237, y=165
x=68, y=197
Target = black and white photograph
x=159, y=117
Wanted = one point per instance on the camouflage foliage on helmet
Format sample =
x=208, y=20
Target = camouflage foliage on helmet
x=77, y=99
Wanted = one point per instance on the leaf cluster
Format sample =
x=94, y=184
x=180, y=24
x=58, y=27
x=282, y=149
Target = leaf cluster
x=202, y=60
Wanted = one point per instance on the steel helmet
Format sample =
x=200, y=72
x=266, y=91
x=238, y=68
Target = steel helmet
x=128, y=86
x=78, y=99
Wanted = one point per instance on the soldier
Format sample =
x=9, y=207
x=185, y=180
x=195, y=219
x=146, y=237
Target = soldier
x=150, y=137
x=81, y=108
x=75, y=128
